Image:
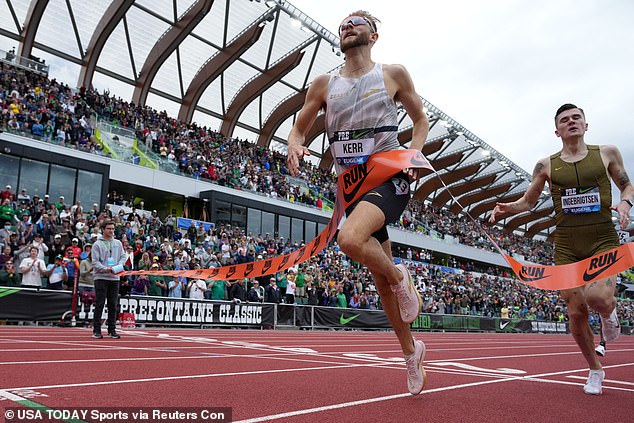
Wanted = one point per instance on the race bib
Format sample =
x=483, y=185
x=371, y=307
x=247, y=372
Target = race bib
x=580, y=200
x=352, y=147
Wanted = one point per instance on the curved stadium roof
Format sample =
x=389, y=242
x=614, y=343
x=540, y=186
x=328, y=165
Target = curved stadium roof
x=243, y=67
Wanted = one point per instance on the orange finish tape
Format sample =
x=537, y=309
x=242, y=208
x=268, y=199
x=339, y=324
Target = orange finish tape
x=353, y=184
x=358, y=180
x=574, y=275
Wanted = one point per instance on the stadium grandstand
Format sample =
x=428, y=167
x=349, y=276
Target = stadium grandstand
x=168, y=120
x=171, y=114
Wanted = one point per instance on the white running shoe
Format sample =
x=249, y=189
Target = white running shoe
x=416, y=376
x=409, y=301
x=600, y=350
x=611, y=327
x=593, y=384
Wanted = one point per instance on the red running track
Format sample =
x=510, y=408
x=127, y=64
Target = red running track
x=299, y=376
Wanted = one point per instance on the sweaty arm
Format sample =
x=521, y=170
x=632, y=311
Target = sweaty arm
x=614, y=163
x=315, y=100
x=541, y=175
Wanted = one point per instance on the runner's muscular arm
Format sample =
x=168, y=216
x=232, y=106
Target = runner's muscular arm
x=315, y=100
x=400, y=85
x=616, y=169
x=541, y=175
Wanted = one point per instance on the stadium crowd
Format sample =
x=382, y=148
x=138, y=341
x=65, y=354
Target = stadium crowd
x=46, y=242
x=30, y=101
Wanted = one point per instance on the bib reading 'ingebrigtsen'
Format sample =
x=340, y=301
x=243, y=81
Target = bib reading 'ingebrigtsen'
x=581, y=191
x=361, y=118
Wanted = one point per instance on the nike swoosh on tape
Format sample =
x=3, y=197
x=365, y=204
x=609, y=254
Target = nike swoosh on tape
x=589, y=276
x=348, y=197
x=345, y=321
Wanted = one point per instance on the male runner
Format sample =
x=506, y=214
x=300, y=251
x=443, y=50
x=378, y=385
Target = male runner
x=361, y=120
x=579, y=179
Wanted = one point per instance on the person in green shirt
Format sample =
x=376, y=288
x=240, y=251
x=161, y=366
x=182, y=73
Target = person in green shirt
x=157, y=284
x=300, y=286
x=342, y=302
x=218, y=290
x=6, y=211
x=281, y=284
x=9, y=276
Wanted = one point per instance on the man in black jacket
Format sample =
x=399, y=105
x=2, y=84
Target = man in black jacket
x=272, y=293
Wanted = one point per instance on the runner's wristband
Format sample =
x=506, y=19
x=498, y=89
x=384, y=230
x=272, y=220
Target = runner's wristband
x=628, y=202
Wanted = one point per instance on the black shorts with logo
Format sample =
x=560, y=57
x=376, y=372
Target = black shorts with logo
x=391, y=197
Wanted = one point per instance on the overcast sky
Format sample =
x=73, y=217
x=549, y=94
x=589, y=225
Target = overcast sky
x=501, y=68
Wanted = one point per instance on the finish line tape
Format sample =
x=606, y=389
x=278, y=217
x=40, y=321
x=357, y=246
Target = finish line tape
x=358, y=180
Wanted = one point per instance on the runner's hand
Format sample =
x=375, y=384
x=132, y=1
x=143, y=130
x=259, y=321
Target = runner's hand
x=500, y=209
x=295, y=153
x=623, y=209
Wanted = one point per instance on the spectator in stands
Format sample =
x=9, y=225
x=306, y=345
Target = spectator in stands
x=140, y=285
x=256, y=293
x=237, y=293
x=6, y=212
x=175, y=288
x=272, y=292
x=32, y=269
x=57, y=274
x=196, y=289
x=86, y=283
x=157, y=283
x=289, y=297
x=9, y=275
x=217, y=289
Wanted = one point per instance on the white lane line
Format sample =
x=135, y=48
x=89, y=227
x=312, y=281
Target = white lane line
x=203, y=376
x=534, y=378
x=618, y=382
x=10, y=396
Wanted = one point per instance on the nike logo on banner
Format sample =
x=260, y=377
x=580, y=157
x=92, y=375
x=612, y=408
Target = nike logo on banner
x=357, y=175
x=267, y=266
x=315, y=246
x=299, y=255
x=283, y=263
x=231, y=271
x=345, y=321
x=603, y=263
x=419, y=160
x=503, y=325
x=532, y=274
x=249, y=269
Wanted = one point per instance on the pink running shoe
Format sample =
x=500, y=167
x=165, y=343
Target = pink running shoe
x=409, y=301
x=416, y=376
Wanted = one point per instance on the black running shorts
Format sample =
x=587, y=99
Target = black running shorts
x=391, y=197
